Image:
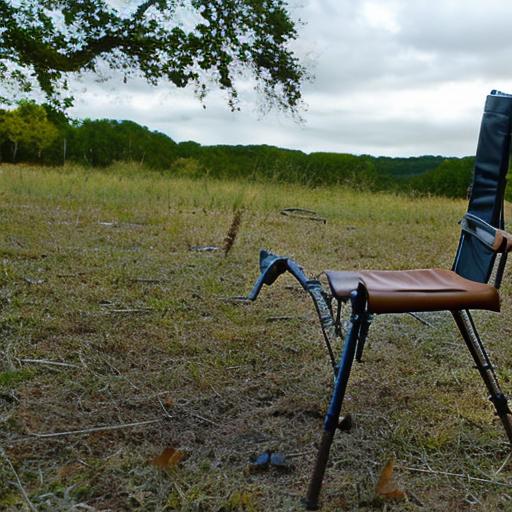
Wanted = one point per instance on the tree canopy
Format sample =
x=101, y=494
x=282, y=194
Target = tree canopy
x=186, y=42
x=27, y=125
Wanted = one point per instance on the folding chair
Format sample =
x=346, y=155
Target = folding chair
x=481, y=257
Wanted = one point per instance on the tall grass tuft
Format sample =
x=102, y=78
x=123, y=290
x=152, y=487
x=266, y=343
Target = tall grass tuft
x=232, y=232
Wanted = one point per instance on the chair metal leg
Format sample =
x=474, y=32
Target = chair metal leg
x=333, y=413
x=476, y=347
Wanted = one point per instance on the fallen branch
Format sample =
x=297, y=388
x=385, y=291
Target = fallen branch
x=94, y=429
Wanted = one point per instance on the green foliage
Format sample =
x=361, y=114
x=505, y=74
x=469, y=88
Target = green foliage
x=451, y=178
x=101, y=142
x=406, y=167
x=27, y=126
x=269, y=163
x=185, y=42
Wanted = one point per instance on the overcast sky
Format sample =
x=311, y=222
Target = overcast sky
x=392, y=77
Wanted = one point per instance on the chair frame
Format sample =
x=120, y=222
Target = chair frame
x=482, y=239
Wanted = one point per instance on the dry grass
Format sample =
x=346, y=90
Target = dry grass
x=97, y=274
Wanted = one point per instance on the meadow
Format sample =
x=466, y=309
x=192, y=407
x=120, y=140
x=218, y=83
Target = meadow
x=131, y=380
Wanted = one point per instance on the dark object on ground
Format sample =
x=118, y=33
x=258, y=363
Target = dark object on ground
x=346, y=423
x=269, y=459
x=302, y=213
x=480, y=259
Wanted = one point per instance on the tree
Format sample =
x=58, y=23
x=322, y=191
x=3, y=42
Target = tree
x=39, y=132
x=13, y=130
x=182, y=41
x=29, y=126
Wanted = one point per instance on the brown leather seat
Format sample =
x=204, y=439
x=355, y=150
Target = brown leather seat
x=401, y=291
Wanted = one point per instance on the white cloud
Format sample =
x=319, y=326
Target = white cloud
x=381, y=16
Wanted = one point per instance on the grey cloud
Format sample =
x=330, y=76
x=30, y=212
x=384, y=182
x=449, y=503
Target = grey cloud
x=472, y=27
x=418, y=89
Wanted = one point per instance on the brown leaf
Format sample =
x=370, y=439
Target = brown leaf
x=169, y=458
x=168, y=402
x=386, y=486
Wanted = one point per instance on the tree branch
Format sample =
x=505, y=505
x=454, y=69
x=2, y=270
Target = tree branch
x=141, y=10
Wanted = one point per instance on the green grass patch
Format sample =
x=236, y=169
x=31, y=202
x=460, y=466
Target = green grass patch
x=12, y=378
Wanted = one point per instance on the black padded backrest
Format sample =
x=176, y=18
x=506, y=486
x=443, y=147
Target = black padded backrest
x=474, y=260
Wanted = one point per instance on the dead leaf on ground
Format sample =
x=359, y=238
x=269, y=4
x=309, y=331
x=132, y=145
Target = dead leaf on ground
x=386, y=487
x=169, y=458
x=168, y=402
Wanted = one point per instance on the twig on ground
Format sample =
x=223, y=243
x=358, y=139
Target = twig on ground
x=148, y=280
x=280, y=318
x=215, y=391
x=198, y=416
x=119, y=374
x=204, y=248
x=48, y=362
x=194, y=415
x=94, y=429
x=417, y=317
x=132, y=310
x=239, y=299
x=299, y=454
x=458, y=475
x=166, y=412
x=19, y=484
x=507, y=458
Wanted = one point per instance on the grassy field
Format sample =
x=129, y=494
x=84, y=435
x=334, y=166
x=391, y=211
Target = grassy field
x=118, y=340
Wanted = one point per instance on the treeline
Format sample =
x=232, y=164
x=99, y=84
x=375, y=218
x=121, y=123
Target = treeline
x=35, y=133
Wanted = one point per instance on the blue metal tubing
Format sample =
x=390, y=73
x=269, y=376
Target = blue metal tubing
x=347, y=358
x=358, y=299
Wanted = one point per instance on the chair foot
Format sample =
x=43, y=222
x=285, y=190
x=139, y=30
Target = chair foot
x=506, y=420
x=486, y=369
x=310, y=506
x=315, y=485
